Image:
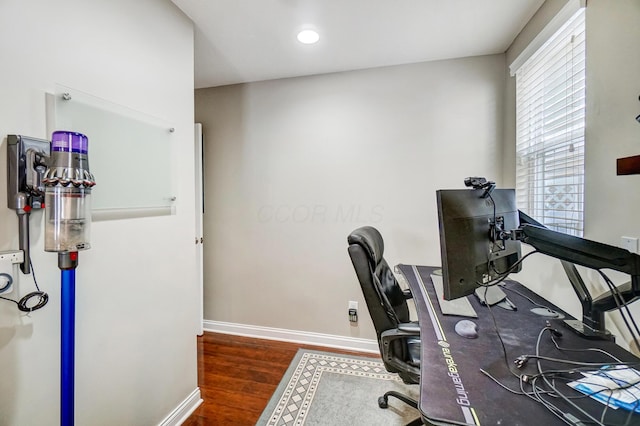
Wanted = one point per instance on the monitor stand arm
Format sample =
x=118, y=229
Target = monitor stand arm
x=592, y=324
x=572, y=250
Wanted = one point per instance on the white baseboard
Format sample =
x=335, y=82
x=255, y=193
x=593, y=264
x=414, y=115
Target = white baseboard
x=184, y=410
x=349, y=343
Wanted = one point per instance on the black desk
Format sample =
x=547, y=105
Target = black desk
x=452, y=388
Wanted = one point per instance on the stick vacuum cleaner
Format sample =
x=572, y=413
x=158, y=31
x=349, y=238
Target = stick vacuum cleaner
x=68, y=184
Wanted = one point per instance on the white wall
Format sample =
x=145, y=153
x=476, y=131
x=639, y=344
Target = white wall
x=294, y=165
x=613, y=86
x=612, y=201
x=137, y=311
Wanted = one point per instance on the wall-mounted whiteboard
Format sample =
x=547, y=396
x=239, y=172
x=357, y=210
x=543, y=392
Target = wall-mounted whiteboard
x=129, y=154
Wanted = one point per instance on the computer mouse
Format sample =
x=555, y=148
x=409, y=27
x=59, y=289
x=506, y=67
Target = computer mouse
x=467, y=328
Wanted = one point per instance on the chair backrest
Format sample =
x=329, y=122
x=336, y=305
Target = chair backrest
x=385, y=300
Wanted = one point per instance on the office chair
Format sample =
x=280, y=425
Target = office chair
x=398, y=337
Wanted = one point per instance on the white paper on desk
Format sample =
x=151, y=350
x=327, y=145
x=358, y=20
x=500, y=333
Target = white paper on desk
x=625, y=398
x=460, y=306
x=610, y=386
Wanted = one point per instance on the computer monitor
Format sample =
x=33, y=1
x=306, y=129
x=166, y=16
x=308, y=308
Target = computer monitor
x=472, y=251
x=480, y=234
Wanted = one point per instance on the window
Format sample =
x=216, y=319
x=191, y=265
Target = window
x=550, y=125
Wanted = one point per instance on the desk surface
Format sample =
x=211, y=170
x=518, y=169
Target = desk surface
x=455, y=391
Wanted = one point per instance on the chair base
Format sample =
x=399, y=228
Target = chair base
x=383, y=402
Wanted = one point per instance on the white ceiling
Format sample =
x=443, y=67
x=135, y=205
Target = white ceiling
x=251, y=40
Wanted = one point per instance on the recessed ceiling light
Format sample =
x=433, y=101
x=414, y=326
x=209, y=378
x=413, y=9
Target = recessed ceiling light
x=308, y=36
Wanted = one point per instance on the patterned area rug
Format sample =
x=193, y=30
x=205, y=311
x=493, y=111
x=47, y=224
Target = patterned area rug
x=322, y=388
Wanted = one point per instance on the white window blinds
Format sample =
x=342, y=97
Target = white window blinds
x=550, y=122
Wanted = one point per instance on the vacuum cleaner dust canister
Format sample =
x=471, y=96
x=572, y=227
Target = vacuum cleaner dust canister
x=68, y=184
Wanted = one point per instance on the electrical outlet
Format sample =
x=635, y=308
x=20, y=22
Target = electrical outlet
x=353, y=311
x=630, y=243
x=7, y=260
x=14, y=256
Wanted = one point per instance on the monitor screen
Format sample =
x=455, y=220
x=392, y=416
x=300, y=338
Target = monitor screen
x=470, y=255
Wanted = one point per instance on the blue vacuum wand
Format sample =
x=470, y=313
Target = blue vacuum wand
x=68, y=184
x=67, y=262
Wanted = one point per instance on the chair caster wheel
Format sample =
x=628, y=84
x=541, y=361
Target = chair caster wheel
x=382, y=402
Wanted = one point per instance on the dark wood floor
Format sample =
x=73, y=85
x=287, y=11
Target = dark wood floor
x=237, y=376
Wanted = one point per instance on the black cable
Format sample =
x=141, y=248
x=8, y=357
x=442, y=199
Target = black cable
x=515, y=265
x=502, y=385
x=544, y=377
x=23, y=303
x=493, y=203
x=607, y=403
x=547, y=404
x=568, y=361
x=504, y=348
x=491, y=266
x=504, y=275
x=8, y=300
x=567, y=399
x=617, y=297
x=553, y=339
x=620, y=304
x=537, y=393
x=521, y=294
x=33, y=272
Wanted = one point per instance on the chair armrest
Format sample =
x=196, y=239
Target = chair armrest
x=408, y=330
x=410, y=327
